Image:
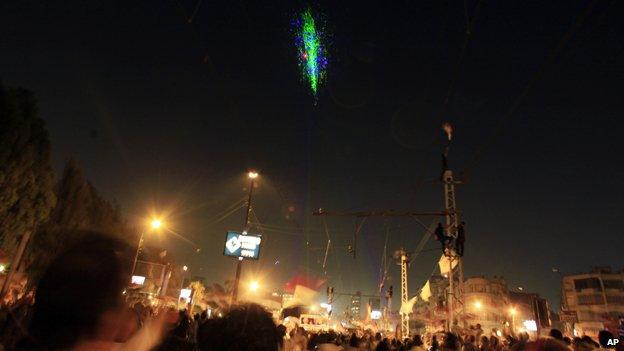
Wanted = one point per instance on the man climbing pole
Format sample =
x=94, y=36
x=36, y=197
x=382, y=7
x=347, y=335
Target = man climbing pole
x=461, y=239
x=441, y=237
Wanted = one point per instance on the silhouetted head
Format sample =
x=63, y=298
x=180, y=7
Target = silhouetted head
x=556, y=334
x=354, y=341
x=80, y=296
x=247, y=327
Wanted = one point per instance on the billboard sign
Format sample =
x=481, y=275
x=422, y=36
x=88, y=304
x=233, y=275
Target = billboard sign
x=138, y=280
x=242, y=245
x=185, y=294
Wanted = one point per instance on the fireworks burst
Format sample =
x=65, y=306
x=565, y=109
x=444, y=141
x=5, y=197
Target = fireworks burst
x=311, y=51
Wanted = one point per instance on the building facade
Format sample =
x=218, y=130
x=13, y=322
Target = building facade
x=593, y=300
x=529, y=312
x=355, y=306
x=486, y=302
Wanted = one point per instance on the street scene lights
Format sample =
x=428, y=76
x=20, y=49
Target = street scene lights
x=154, y=224
x=512, y=312
x=254, y=286
x=252, y=175
x=478, y=305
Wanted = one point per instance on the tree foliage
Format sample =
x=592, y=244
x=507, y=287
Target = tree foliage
x=218, y=296
x=26, y=177
x=79, y=208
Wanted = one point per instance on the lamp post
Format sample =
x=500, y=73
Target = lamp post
x=254, y=286
x=154, y=224
x=252, y=175
x=183, y=275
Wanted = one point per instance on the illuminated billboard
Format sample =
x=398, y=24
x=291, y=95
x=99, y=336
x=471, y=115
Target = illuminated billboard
x=138, y=280
x=242, y=245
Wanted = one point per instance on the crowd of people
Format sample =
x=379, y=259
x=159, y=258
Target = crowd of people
x=79, y=305
x=471, y=341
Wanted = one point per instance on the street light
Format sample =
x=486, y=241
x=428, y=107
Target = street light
x=254, y=286
x=185, y=268
x=154, y=224
x=252, y=175
x=478, y=305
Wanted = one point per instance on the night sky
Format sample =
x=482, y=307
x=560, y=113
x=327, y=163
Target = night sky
x=167, y=116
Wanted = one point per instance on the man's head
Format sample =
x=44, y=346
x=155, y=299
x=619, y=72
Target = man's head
x=247, y=327
x=556, y=334
x=80, y=295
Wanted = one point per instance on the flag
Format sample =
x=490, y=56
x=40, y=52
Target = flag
x=303, y=296
x=304, y=289
x=444, y=264
x=407, y=307
x=425, y=293
x=303, y=280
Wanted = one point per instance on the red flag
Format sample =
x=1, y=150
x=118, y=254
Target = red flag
x=304, y=280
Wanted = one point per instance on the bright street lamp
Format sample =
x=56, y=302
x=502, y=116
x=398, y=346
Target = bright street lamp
x=254, y=286
x=185, y=268
x=156, y=223
x=252, y=175
x=478, y=305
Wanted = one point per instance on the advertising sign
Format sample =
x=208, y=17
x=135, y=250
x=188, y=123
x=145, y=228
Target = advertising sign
x=138, y=280
x=185, y=294
x=242, y=245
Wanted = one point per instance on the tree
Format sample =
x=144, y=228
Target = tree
x=26, y=177
x=198, y=293
x=79, y=209
x=218, y=296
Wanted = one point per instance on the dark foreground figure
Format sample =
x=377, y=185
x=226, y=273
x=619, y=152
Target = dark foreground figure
x=79, y=305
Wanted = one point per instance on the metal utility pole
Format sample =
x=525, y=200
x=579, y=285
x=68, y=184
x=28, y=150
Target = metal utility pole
x=252, y=176
x=452, y=222
x=403, y=257
x=136, y=255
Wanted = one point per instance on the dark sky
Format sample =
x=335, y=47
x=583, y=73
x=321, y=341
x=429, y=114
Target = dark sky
x=167, y=116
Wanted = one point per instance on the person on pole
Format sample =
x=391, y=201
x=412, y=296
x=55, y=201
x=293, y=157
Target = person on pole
x=461, y=239
x=441, y=237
